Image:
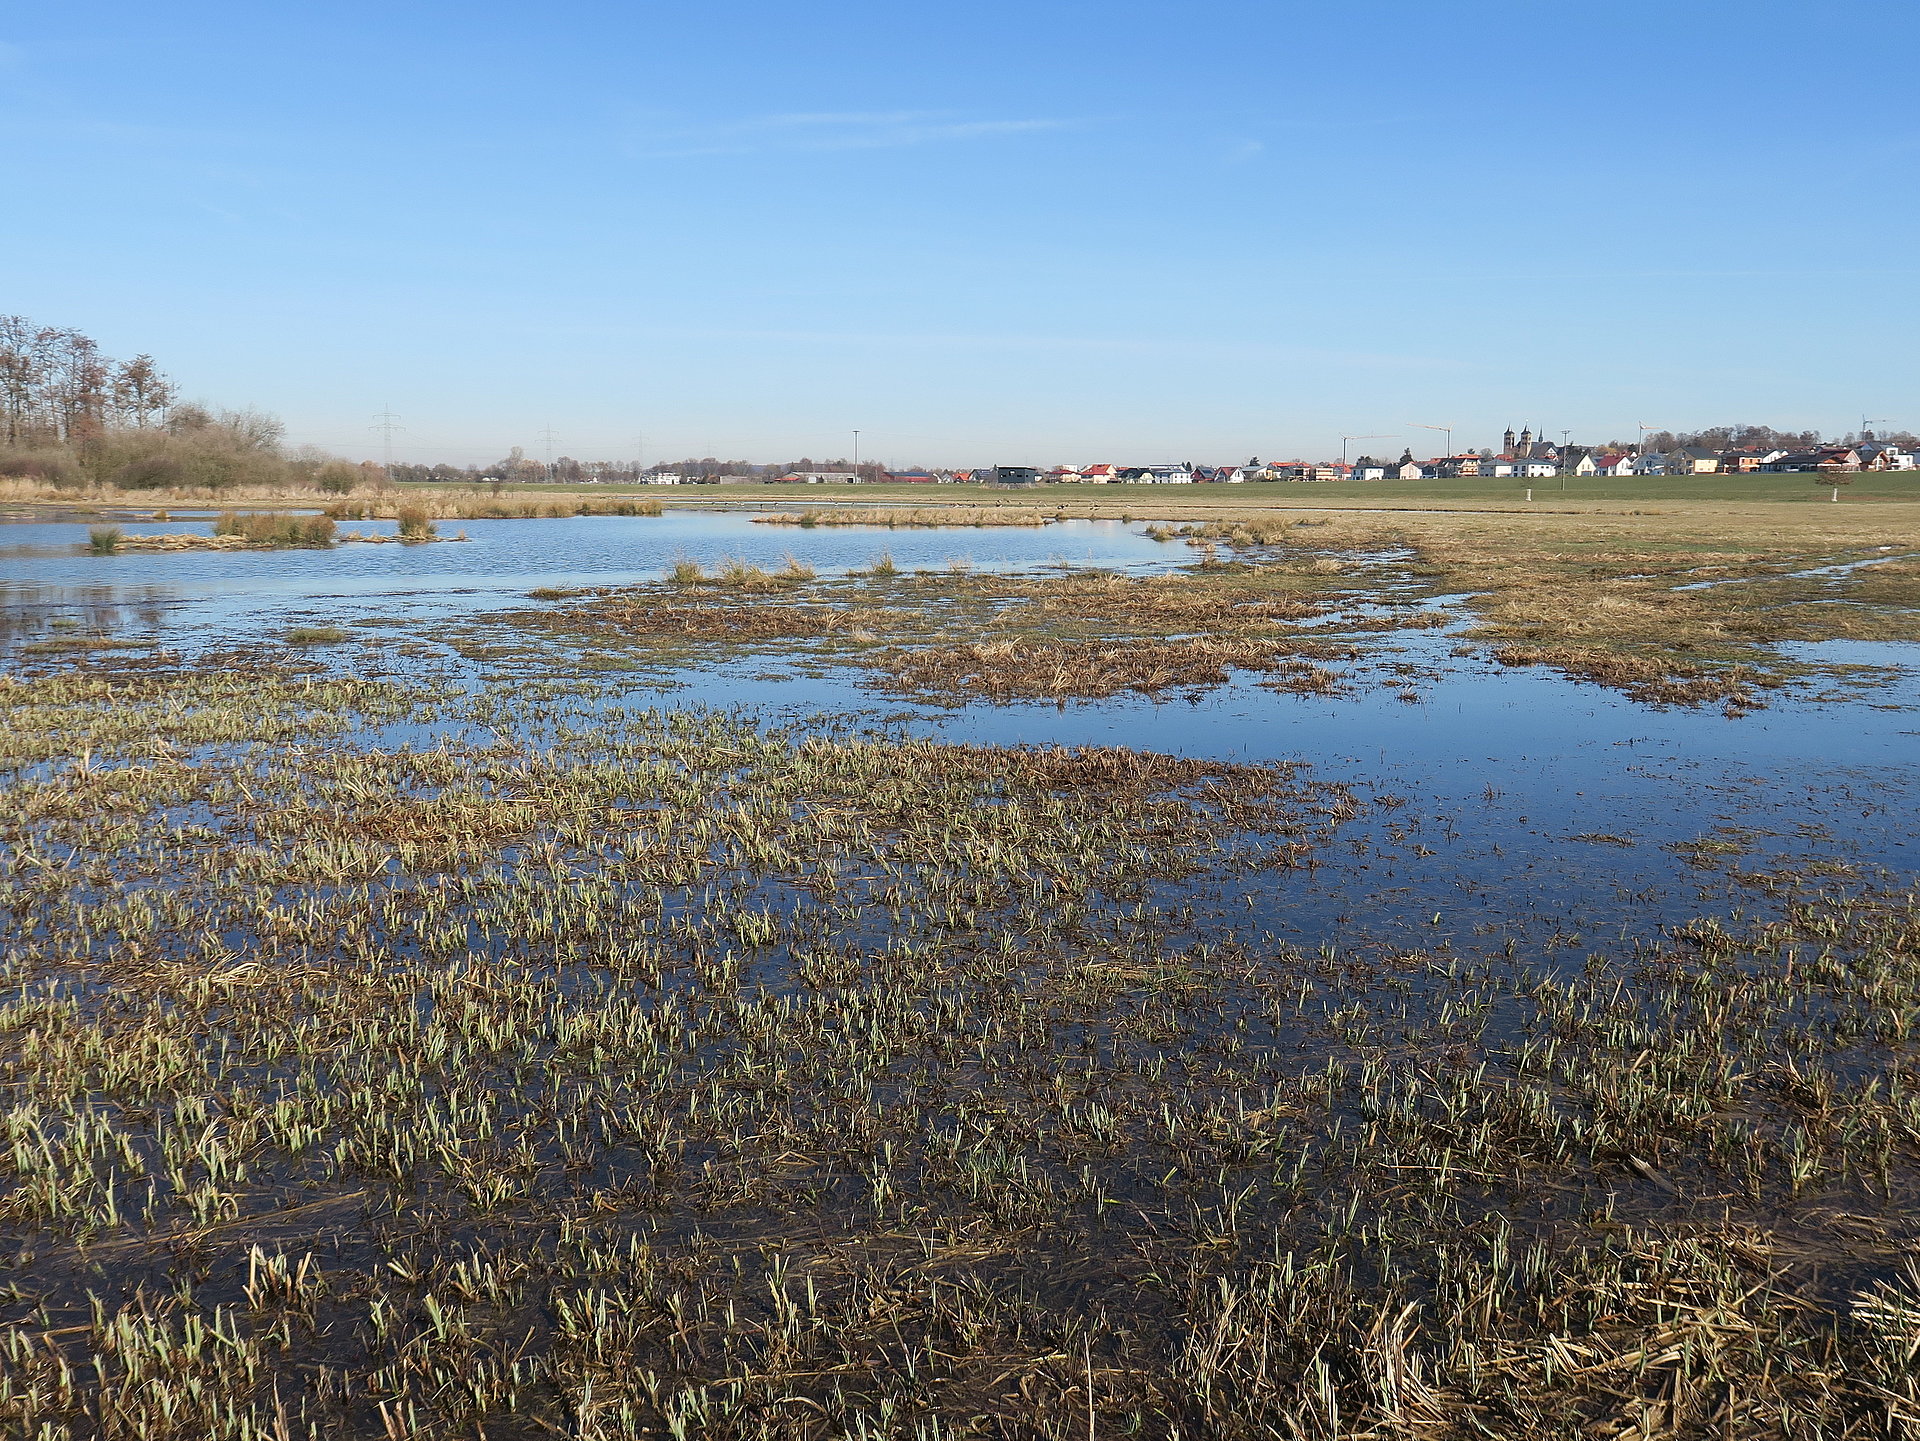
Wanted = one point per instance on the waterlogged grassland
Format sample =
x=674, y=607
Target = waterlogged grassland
x=1640, y=605
x=1668, y=610
x=652, y=1073
x=957, y=635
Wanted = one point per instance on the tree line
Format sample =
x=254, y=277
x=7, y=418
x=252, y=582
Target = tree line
x=72, y=417
x=56, y=387
x=1757, y=437
x=519, y=468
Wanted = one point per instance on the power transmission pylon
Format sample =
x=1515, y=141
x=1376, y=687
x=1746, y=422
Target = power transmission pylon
x=547, y=435
x=386, y=422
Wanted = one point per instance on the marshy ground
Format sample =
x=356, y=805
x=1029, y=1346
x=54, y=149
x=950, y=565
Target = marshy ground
x=486, y=1044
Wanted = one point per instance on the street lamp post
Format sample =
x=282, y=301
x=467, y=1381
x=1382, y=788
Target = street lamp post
x=856, y=457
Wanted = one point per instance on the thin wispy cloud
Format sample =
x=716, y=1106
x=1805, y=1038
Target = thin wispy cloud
x=831, y=130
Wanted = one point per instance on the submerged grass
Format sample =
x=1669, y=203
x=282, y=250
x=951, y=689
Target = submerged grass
x=649, y=1073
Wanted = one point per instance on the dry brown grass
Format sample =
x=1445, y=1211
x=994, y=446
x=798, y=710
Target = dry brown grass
x=1609, y=598
x=481, y=505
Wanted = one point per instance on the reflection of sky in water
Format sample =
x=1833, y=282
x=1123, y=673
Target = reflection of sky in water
x=1502, y=767
x=44, y=563
x=48, y=580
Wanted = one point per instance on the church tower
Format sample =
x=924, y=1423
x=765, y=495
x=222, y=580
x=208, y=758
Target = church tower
x=1506, y=442
x=1526, y=436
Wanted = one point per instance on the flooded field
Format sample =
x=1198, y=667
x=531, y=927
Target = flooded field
x=1076, y=980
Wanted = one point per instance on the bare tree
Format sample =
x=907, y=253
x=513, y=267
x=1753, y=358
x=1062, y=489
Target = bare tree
x=140, y=392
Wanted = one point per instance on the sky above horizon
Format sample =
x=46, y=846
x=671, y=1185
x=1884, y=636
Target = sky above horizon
x=997, y=233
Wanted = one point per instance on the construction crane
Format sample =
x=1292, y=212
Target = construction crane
x=1345, y=438
x=1417, y=425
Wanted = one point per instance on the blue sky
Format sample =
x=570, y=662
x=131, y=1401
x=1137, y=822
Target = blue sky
x=1016, y=233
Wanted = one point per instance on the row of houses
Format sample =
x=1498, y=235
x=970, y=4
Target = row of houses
x=1523, y=459
x=1684, y=460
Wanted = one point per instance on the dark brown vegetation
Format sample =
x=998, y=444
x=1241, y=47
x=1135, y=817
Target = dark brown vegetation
x=1004, y=670
x=959, y=636
x=648, y=1074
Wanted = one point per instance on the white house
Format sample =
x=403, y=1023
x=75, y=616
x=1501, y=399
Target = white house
x=1537, y=469
x=1650, y=464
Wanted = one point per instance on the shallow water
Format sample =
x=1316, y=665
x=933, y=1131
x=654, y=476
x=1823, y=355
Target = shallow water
x=1504, y=769
x=47, y=575
x=1507, y=818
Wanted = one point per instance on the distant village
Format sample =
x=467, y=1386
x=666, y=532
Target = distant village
x=1521, y=456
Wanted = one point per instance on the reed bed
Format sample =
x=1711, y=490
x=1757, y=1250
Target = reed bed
x=648, y=1073
x=895, y=517
x=273, y=530
x=479, y=505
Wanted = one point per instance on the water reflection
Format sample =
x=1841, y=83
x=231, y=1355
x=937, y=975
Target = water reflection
x=43, y=564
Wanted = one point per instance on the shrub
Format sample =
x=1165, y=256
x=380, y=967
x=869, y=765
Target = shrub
x=104, y=539
x=415, y=523
x=338, y=477
x=51, y=469
x=883, y=566
x=686, y=572
x=149, y=472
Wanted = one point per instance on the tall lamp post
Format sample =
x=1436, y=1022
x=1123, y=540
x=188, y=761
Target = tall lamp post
x=856, y=457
